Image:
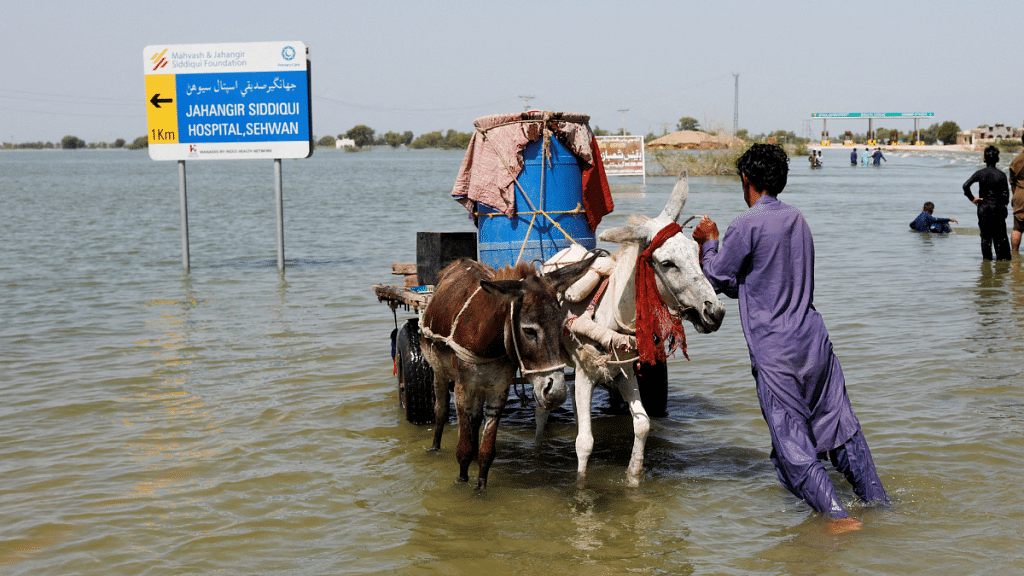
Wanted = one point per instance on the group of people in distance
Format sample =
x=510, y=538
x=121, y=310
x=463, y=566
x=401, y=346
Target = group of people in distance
x=994, y=193
x=875, y=157
x=815, y=159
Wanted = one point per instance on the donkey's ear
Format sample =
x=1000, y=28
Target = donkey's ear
x=506, y=289
x=677, y=200
x=627, y=235
x=566, y=276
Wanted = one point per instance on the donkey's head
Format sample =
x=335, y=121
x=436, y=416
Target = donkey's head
x=534, y=333
x=683, y=286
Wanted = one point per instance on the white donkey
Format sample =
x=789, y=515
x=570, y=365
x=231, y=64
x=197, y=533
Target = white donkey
x=596, y=340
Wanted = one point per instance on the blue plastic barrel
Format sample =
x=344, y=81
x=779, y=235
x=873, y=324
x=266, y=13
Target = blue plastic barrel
x=500, y=240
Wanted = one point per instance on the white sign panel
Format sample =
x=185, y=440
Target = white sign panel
x=228, y=101
x=622, y=155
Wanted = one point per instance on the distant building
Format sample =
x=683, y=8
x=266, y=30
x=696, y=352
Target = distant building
x=981, y=137
x=343, y=142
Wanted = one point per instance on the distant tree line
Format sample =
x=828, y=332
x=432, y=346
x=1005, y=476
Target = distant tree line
x=364, y=136
x=74, y=142
x=946, y=132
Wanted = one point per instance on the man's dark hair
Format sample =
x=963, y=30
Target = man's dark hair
x=991, y=155
x=766, y=166
x=928, y=207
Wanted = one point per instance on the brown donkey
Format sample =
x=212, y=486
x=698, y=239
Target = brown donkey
x=480, y=327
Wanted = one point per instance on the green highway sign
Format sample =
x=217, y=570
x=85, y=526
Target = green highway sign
x=872, y=114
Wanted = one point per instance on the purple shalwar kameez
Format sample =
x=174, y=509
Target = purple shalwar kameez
x=766, y=260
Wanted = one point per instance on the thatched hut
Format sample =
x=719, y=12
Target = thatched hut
x=694, y=140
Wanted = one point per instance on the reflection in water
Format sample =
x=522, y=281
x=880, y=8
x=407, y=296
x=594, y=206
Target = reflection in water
x=1015, y=277
x=169, y=420
x=998, y=301
x=623, y=526
x=999, y=291
x=587, y=524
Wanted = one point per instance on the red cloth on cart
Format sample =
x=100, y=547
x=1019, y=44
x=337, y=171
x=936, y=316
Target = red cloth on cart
x=494, y=160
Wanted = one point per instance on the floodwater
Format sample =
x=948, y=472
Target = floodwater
x=235, y=420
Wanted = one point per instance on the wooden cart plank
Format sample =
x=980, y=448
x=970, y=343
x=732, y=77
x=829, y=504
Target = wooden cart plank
x=398, y=296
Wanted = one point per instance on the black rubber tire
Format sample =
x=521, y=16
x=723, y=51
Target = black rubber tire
x=652, y=379
x=415, y=376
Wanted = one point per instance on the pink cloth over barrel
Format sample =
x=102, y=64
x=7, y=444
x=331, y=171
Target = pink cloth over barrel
x=494, y=160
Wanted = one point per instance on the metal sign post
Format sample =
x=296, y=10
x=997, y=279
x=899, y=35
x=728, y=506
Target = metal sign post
x=871, y=117
x=184, y=215
x=278, y=197
x=226, y=102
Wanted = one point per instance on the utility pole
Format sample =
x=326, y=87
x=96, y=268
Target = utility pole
x=624, y=110
x=526, y=102
x=736, y=107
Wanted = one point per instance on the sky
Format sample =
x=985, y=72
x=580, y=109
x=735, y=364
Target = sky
x=77, y=68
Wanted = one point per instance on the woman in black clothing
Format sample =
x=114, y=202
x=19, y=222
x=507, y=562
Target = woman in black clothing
x=993, y=196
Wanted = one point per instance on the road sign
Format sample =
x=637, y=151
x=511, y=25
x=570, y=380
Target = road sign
x=872, y=114
x=622, y=155
x=228, y=101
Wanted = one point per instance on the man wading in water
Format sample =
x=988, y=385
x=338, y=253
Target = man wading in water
x=993, y=196
x=766, y=260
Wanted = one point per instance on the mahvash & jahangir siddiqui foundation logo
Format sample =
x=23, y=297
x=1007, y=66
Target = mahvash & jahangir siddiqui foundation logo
x=159, y=59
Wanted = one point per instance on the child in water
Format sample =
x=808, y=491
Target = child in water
x=925, y=222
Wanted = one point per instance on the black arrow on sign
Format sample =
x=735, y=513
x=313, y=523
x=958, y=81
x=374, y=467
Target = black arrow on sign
x=156, y=100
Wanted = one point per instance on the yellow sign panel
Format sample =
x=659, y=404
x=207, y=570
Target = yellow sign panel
x=161, y=109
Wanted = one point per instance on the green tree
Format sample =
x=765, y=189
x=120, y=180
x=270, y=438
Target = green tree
x=599, y=132
x=394, y=139
x=428, y=140
x=71, y=142
x=455, y=140
x=119, y=143
x=326, y=142
x=928, y=134
x=361, y=134
x=688, y=123
x=139, y=143
x=947, y=132
x=784, y=137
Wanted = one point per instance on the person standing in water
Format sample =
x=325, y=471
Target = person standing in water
x=766, y=261
x=1017, y=200
x=878, y=156
x=993, y=196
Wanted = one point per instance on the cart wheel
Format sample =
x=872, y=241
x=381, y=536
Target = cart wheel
x=652, y=379
x=415, y=377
